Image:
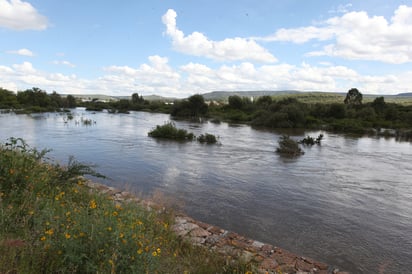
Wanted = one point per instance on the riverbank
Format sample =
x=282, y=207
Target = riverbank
x=267, y=258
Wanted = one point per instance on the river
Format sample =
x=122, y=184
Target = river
x=347, y=202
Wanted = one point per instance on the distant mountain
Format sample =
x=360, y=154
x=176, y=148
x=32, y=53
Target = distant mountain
x=158, y=98
x=223, y=95
x=407, y=94
x=152, y=97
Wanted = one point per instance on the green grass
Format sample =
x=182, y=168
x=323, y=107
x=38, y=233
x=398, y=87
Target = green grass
x=50, y=222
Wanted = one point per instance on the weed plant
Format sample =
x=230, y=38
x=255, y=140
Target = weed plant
x=50, y=222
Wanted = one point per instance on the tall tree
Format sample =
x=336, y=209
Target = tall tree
x=353, y=97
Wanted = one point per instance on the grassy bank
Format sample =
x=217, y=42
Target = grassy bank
x=50, y=222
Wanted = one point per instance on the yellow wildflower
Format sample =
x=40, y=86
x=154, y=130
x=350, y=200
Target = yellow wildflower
x=43, y=238
x=67, y=235
x=154, y=253
x=139, y=251
x=49, y=232
x=92, y=204
x=109, y=228
x=115, y=213
x=121, y=235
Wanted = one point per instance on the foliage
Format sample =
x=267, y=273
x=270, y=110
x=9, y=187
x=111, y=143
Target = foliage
x=310, y=141
x=67, y=228
x=353, y=97
x=35, y=100
x=194, y=106
x=7, y=99
x=235, y=102
x=169, y=131
x=288, y=147
x=207, y=138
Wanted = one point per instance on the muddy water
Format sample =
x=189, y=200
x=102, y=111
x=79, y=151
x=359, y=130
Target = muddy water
x=347, y=202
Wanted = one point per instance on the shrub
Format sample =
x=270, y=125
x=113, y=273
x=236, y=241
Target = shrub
x=169, y=131
x=289, y=147
x=310, y=141
x=207, y=138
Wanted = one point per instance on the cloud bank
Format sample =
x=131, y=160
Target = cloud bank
x=230, y=49
x=357, y=36
x=20, y=15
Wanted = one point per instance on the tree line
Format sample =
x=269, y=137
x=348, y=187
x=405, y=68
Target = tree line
x=35, y=100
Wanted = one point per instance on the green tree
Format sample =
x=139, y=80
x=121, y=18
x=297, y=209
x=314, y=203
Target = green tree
x=136, y=99
x=34, y=97
x=70, y=101
x=56, y=100
x=235, y=102
x=353, y=97
x=197, y=105
x=264, y=101
x=7, y=99
x=194, y=106
x=379, y=104
x=337, y=111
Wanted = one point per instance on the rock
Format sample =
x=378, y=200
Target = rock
x=268, y=264
x=184, y=229
x=197, y=240
x=180, y=220
x=247, y=256
x=199, y=232
x=257, y=244
x=215, y=230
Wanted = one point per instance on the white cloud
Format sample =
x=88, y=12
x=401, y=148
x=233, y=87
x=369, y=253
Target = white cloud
x=356, y=35
x=20, y=15
x=64, y=63
x=158, y=77
x=23, y=52
x=25, y=68
x=343, y=8
x=230, y=49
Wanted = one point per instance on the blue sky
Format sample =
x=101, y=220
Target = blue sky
x=179, y=48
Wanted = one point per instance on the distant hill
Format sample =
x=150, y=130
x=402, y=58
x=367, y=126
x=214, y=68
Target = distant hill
x=223, y=95
x=158, y=98
x=407, y=94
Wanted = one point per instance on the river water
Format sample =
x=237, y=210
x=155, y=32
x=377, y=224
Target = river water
x=347, y=202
